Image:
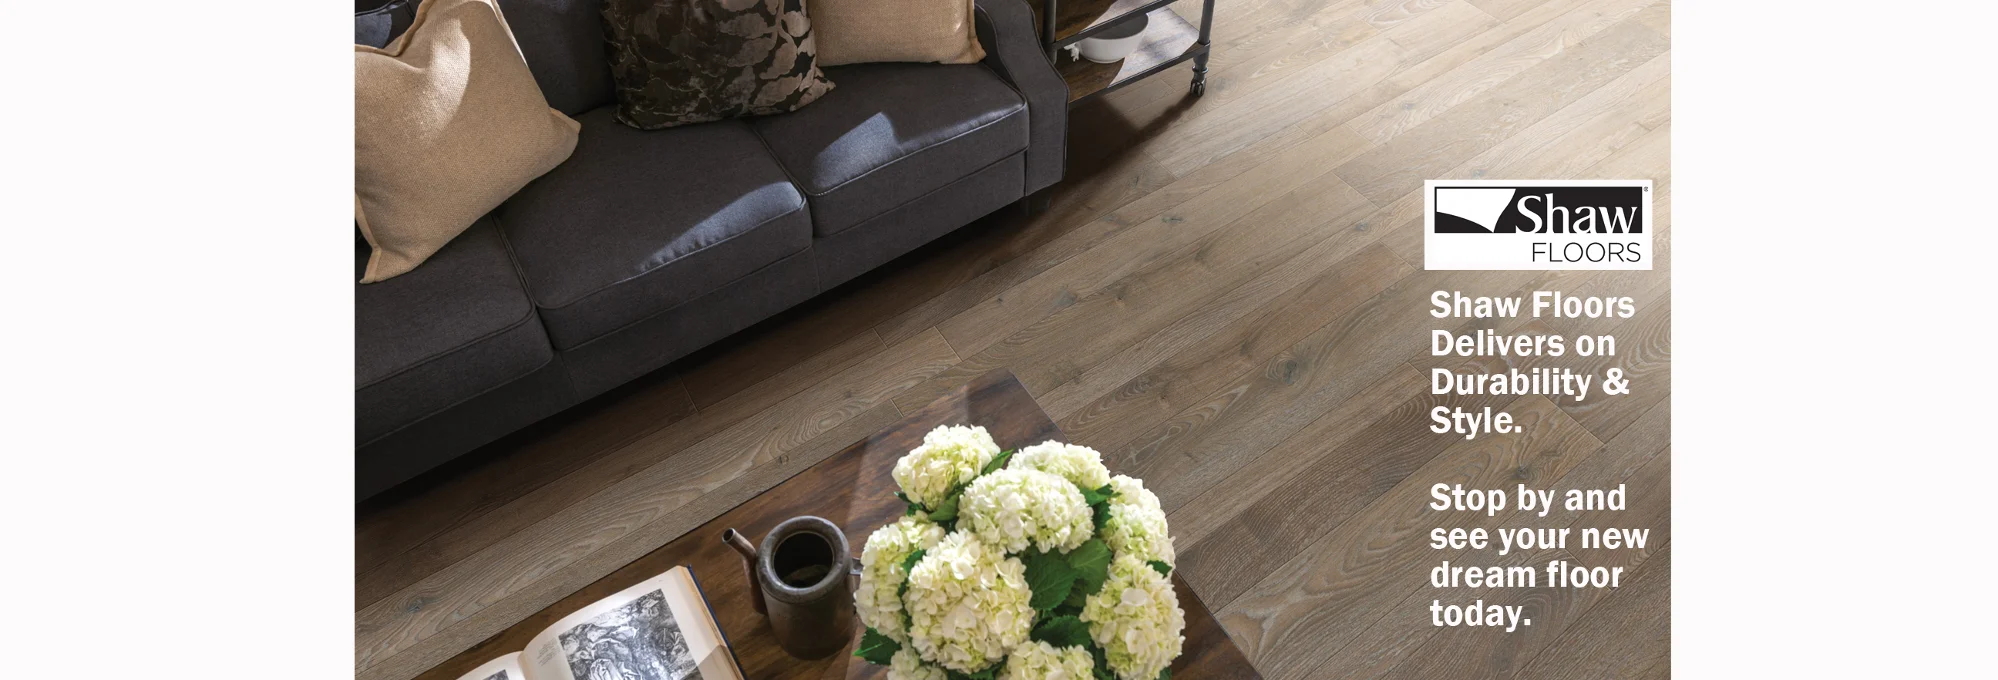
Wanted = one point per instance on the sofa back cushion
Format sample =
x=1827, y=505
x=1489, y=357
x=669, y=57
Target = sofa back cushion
x=376, y=22
x=564, y=43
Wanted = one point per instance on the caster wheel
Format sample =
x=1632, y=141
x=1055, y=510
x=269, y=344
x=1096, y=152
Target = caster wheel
x=1199, y=87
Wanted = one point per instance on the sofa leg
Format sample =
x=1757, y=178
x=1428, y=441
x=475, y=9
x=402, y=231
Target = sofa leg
x=1036, y=203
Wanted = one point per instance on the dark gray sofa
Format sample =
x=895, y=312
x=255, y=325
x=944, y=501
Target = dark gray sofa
x=645, y=246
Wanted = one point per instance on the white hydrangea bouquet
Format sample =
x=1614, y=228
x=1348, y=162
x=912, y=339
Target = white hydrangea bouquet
x=1018, y=566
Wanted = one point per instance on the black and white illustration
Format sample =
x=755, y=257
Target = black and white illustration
x=502, y=675
x=637, y=641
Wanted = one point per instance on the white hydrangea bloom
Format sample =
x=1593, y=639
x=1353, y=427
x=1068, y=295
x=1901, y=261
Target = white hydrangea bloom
x=1137, y=524
x=1043, y=661
x=881, y=572
x=1012, y=509
x=907, y=665
x=1079, y=464
x=1136, y=619
x=950, y=455
x=968, y=604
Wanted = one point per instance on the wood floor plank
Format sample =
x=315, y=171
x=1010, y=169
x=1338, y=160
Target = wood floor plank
x=1338, y=485
x=1267, y=109
x=1507, y=9
x=1192, y=522
x=1420, y=40
x=1234, y=269
x=1076, y=208
x=1077, y=333
x=1114, y=416
x=1222, y=362
x=535, y=456
x=1137, y=246
x=1581, y=134
x=1209, y=437
x=1376, y=647
x=416, y=613
x=1487, y=653
x=463, y=540
x=1305, y=292
x=1286, y=620
x=1627, y=635
x=1465, y=130
x=1491, y=59
x=1661, y=19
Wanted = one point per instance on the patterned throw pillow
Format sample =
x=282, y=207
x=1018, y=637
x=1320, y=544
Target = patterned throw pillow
x=692, y=61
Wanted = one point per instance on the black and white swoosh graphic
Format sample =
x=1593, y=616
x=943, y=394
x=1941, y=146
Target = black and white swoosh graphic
x=1470, y=210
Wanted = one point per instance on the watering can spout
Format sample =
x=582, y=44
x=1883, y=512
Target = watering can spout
x=736, y=540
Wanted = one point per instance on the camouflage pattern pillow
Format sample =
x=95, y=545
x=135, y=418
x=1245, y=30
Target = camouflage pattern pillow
x=692, y=61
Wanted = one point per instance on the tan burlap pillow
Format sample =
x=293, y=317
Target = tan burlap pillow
x=447, y=124
x=861, y=31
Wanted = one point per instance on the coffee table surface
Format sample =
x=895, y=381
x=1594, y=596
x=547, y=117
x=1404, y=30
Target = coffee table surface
x=853, y=489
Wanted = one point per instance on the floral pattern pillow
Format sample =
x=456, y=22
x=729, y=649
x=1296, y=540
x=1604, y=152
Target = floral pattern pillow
x=692, y=61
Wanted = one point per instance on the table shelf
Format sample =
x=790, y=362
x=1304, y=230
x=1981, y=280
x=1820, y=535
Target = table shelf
x=1168, y=40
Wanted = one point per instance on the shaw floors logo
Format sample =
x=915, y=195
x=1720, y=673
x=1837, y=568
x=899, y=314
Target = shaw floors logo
x=1537, y=224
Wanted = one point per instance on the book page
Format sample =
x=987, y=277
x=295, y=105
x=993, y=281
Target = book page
x=503, y=668
x=656, y=630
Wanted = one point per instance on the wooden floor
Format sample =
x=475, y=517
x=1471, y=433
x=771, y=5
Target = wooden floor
x=1226, y=299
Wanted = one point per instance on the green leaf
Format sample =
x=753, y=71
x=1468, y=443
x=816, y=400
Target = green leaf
x=947, y=510
x=876, y=648
x=1098, y=496
x=1050, y=577
x=1165, y=673
x=1101, y=516
x=1161, y=567
x=1091, y=562
x=1076, y=599
x=998, y=463
x=1062, y=631
x=911, y=508
x=902, y=591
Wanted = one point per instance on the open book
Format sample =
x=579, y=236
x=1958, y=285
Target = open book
x=657, y=630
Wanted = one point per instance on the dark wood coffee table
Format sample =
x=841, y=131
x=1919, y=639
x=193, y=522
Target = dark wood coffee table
x=853, y=489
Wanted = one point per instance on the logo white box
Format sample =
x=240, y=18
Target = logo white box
x=1489, y=224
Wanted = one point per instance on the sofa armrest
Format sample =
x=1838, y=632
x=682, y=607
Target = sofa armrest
x=1013, y=50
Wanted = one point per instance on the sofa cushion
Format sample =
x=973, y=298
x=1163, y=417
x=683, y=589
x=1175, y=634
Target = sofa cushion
x=888, y=134
x=376, y=23
x=563, y=41
x=638, y=222
x=445, y=332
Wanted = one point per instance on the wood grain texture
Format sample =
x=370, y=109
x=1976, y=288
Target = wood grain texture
x=1394, y=641
x=1333, y=586
x=1225, y=296
x=391, y=535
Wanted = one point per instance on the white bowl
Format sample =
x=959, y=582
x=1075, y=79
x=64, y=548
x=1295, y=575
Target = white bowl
x=1116, y=43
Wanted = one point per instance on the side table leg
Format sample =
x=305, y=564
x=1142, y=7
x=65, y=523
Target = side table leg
x=1199, y=86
